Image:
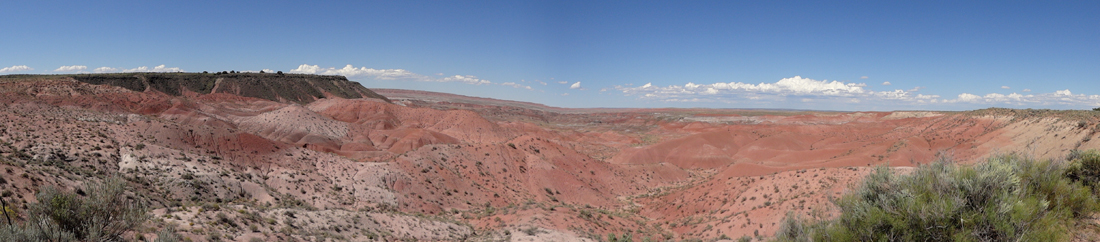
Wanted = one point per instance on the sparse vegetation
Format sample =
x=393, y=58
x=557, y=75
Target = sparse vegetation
x=104, y=214
x=232, y=182
x=168, y=235
x=1006, y=198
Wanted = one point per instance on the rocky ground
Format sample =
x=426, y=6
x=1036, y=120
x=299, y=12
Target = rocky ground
x=440, y=167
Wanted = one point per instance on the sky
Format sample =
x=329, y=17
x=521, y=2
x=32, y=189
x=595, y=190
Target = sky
x=838, y=55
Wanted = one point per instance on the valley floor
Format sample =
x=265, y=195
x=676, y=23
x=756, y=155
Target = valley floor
x=442, y=167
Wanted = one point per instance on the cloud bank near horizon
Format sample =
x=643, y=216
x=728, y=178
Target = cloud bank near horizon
x=16, y=68
x=105, y=69
x=351, y=71
x=805, y=90
x=1061, y=98
x=160, y=68
x=72, y=68
x=793, y=92
x=384, y=74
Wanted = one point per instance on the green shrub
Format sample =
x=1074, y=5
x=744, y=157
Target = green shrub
x=793, y=228
x=35, y=230
x=1052, y=182
x=1084, y=167
x=104, y=214
x=168, y=235
x=1006, y=198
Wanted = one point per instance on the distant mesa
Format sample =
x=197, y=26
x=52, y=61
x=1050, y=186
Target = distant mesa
x=279, y=87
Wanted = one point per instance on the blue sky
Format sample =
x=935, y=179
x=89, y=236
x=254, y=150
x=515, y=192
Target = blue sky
x=851, y=55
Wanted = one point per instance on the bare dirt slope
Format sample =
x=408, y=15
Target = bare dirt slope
x=219, y=165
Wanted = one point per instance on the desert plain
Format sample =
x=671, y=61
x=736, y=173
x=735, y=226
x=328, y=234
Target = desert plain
x=275, y=157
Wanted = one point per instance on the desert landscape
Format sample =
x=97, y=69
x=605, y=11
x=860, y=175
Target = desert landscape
x=294, y=157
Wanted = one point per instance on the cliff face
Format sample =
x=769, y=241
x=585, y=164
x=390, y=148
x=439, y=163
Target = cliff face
x=297, y=88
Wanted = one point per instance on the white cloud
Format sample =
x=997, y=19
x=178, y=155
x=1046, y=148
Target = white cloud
x=16, y=68
x=268, y=70
x=565, y=94
x=159, y=68
x=516, y=85
x=763, y=93
x=384, y=74
x=71, y=68
x=808, y=93
x=465, y=79
x=1005, y=87
x=105, y=69
x=308, y=69
x=1061, y=98
x=802, y=90
x=351, y=71
x=788, y=86
x=967, y=97
x=575, y=85
x=863, y=77
x=562, y=82
x=711, y=91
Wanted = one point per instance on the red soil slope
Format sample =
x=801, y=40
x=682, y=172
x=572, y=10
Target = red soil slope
x=503, y=169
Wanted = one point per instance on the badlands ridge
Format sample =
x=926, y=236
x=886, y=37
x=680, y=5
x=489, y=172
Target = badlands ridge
x=306, y=157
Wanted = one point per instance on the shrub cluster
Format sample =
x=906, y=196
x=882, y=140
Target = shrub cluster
x=103, y=213
x=1006, y=198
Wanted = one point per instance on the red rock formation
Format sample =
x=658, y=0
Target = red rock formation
x=684, y=173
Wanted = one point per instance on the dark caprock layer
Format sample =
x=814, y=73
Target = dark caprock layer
x=298, y=88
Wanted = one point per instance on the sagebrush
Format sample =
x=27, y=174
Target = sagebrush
x=103, y=213
x=1005, y=198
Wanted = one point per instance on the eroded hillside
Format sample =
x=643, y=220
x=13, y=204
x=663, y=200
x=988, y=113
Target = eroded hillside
x=264, y=157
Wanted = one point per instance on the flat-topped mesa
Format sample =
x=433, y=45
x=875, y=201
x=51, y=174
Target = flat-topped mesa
x=297, y=88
